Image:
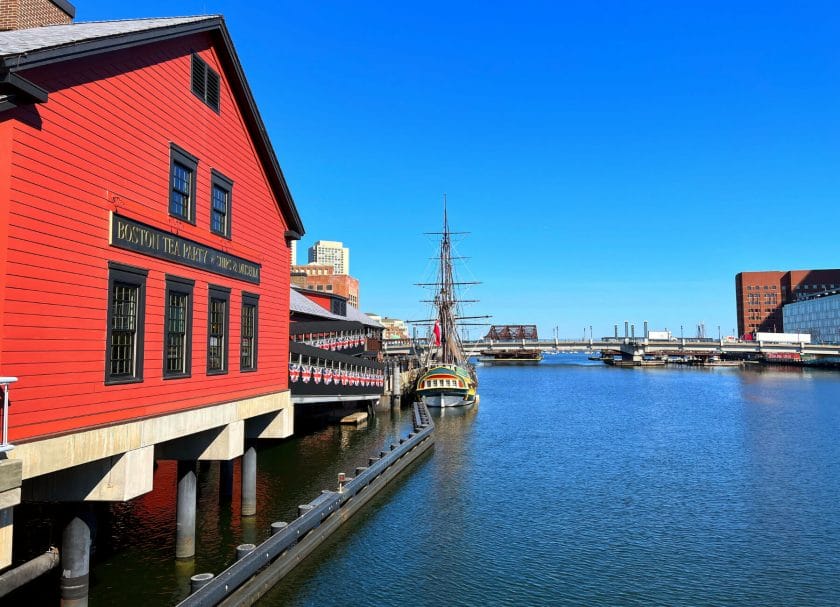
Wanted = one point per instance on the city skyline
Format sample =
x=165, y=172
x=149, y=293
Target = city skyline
x=611, y=162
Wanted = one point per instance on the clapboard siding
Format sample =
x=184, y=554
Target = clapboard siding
x=103, y=147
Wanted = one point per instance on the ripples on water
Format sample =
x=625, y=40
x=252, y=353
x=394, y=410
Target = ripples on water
x=576, y=484
x=570, y=484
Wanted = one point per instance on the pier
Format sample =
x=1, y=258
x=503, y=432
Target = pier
x=638, y=349
x=260, y=567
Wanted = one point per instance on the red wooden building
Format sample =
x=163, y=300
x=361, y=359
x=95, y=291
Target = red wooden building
x=144, y=250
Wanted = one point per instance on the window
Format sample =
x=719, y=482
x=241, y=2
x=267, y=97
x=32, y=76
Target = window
x=249, y=333
x=220, y=203
x=338, y=306
x=205, y=83
x=182, y=170
x=217, y=330
x=177, y=345
x=126, y=312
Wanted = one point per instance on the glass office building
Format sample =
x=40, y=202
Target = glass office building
x=819, y=316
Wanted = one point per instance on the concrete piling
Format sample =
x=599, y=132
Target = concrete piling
x=75, y=561
x=185, y=510
x=278, y=526
x=249, y=482
x=199, y=580
x=242, y=550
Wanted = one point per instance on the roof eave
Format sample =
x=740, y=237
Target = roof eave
x=24, y=61
x=17, y=91
x=78, y=50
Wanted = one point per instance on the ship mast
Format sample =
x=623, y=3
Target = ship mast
x=446, y=303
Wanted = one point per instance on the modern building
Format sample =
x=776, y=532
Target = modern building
x=759, y=296
x=144, y=252
x=322, y=277
x=818, y=315
x=332, y=253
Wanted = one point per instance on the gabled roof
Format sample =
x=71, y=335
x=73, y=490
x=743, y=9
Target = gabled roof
x=22, y=50
x=301, y=304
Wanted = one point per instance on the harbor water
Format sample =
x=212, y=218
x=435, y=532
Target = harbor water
x=579, y=484
x=571, y=483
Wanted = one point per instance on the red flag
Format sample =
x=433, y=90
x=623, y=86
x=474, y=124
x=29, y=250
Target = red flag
x=437, y=333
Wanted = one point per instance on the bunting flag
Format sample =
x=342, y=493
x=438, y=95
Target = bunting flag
x=317, y=374
x=306, y=374
x=328, y=375
x=436, y=331
x=294, y=372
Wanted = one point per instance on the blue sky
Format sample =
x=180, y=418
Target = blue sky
x=611, y=160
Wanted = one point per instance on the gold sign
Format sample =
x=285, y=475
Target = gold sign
x=140, y=238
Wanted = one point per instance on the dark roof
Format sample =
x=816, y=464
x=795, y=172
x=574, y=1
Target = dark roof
x=22, y=50
x=301, y=304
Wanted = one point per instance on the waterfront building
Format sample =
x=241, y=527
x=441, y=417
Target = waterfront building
x=322, y=277
x=334, y=354
x=146, y=222
x=759, y=296
x=394, y=328
x=818, y=315
x=332, y=253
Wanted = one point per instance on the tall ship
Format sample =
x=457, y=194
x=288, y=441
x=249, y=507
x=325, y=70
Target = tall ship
x=447, y=379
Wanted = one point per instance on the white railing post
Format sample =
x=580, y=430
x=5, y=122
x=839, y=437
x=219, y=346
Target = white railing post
x=5, y=382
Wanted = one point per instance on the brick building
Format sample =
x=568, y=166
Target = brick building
x=22, y=14
x=759, y=296
x=323, y=277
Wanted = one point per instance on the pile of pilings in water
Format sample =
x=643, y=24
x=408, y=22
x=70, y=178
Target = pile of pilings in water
x=258, y=568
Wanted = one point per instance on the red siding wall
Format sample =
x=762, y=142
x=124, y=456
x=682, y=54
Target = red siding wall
x=101, y=144
x=325, y=301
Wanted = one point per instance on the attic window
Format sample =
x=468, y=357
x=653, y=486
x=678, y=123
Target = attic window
x=205, y=82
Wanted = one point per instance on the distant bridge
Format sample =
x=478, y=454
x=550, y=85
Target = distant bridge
x=628, y=347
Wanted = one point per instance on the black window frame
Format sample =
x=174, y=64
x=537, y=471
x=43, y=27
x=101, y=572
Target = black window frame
x=184, y=286
x=202, y=80
x=178, y=155
x=250, y=299
x=121, y=274
x=215, y=292
x=217, y=180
